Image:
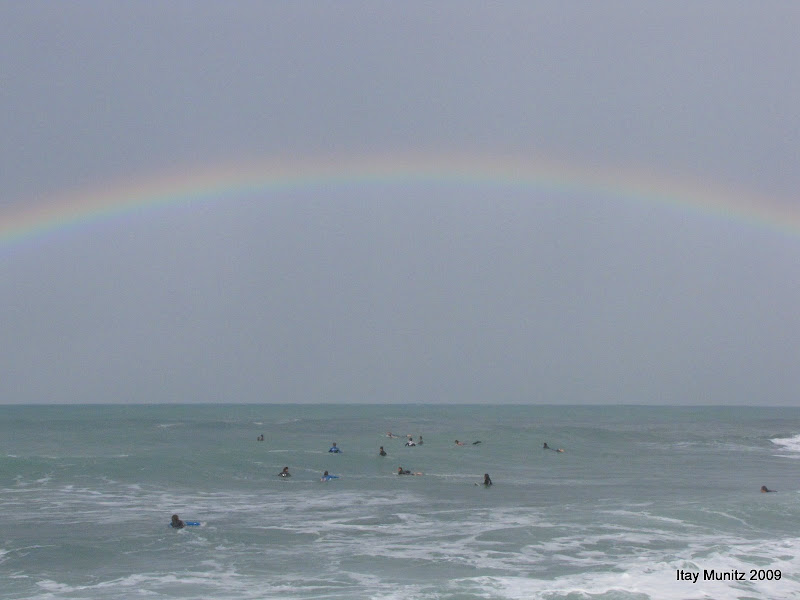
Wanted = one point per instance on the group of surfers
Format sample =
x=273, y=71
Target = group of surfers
x=334, y=449
x=177, y=523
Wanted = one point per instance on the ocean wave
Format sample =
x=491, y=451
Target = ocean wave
x=512, y=552
x=790, y=444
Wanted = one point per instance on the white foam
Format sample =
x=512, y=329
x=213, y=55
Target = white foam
x=790, y=444
x=517, y=545
x=656, y=579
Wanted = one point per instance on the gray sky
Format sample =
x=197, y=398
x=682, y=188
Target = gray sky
x=404, y=293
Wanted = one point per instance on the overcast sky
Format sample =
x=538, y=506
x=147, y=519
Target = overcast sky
x=402, y=293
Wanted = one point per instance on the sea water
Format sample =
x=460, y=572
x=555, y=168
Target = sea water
x=644, y=502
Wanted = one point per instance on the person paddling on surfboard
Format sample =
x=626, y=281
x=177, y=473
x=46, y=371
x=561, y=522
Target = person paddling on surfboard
x=402, y=471
x=178, y=524
x=546, y=447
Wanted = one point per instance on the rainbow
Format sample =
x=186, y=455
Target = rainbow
x=229, y=182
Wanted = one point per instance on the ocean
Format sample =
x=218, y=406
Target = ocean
x=644, y=502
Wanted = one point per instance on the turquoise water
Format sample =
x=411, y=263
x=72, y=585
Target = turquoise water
x=640, y=493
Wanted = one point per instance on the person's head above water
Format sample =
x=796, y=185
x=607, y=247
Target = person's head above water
x=765, y=489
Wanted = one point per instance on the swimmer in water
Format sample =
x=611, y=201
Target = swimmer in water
x=382, y=452
x=546, y=447
x=327, y=477
x=335, y=449
x=389, y=434
x=285, y=472
x=766, y=490
x=487, y=481
x=419, y=443
x=410, y=442
x=459, y=443
x=260, y=438
x=177, y=523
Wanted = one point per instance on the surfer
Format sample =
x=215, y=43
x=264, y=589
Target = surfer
x=402, y=471
x=285, y=472
x=487, y=481
x=177, y=523
x=335, y=449
x=765, y=490
x=382, y=452
x=327, y=477
x=546, y=447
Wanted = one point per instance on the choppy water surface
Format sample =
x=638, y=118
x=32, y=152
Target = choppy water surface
x=640, y=495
